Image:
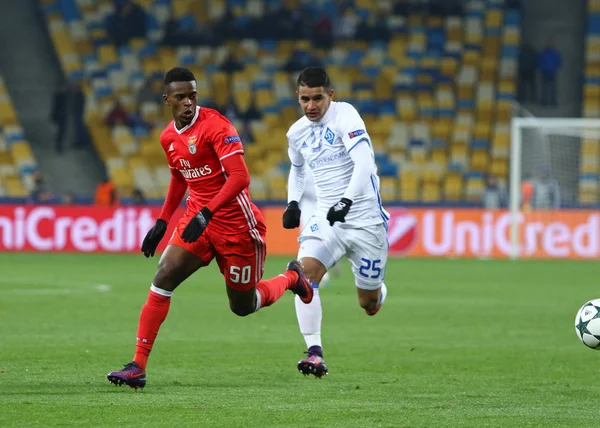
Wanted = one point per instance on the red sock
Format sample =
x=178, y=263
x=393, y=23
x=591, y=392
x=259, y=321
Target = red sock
x=272, y=289
x=153, y=314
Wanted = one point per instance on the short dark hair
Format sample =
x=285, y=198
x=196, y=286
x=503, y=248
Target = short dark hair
x=313, y=77
x=179, y=74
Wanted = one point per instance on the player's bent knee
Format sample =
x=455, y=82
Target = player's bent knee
x=313, y=269
x=241, y=310
x=369, y=304
x=169, y=275
x=369, y=299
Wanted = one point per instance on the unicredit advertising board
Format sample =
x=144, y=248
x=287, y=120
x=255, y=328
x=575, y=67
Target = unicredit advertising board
x=412, y=232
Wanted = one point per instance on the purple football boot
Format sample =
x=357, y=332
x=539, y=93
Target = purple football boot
x=131, y=375
x=303, y=288
x=313, y=364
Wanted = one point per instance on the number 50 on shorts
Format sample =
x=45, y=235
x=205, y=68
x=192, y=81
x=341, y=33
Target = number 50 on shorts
x=240, y=274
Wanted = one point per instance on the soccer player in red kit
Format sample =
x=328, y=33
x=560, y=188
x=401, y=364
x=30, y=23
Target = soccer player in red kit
x=205, y=154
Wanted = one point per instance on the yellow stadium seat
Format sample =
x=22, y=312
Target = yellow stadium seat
x=264, y=98
x=107, y=54
x=588, y=197
x=507, y=86
x=590, y=147
x=499, y=167
x=431, y=193
x=503, y=111
x=388, y=189
x=491, y=47
x=501, y=141
x=453, y=187
x=408, y=185
x=471, y=57
x=591, y=91
x=7, y=115
x=441, y=129
x=466, y=92
x=482, y=131
x=439, y=156
x=14, y=187
x=479, y=160
x=474, y=189
x=449, y=66
x=493, y=19
x=21, y=151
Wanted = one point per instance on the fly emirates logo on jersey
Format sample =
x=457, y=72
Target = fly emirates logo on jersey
x=87, y=229
x=190, y=173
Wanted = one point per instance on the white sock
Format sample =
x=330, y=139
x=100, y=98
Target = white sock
x=160, y=291
x=258, y=301
x=383, y=294
x=309, y=319
x=325, y=280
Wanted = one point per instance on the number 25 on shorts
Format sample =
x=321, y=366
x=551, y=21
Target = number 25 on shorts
x=370, y=268
x=240, y=275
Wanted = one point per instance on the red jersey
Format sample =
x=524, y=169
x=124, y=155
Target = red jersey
x=197, y=151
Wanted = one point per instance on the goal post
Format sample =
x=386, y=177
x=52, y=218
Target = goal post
x=562, y=151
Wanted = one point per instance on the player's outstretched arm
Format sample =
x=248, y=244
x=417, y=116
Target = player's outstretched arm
x=296, y=179
x=238, y=178
x=176, y=192
x=364, y=166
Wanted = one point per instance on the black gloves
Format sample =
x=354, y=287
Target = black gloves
x=338, y=211
x=153, y=238
x=196, y=226
x=291, y=216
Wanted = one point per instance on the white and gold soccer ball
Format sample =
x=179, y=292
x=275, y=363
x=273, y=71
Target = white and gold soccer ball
x=587, y=324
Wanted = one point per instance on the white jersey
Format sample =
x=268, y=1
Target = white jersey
x=324, y=146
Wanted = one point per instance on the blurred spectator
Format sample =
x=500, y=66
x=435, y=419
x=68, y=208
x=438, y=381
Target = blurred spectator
x=173, y=35
x=118, y=116
x=246, y=134
x=401, y=7
x=295, y=62
x=59, y=115
x=127, y=22
x=549, y=61
x=323, y=32
x=494, y=195
x=526, y=193
x=380, y=28
x=512, y=4
x=106, y=194
x=231, y=64
x=546, y=190
x=69, y=198
x=299, y=60
x=346, y=28
x=137, y=197
x=39, y=194
x=151, y=91
x=527, y=74
x=252, y=112
x=229, y=109
x=82, y=138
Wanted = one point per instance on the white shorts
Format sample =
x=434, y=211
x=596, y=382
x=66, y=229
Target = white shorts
x=308, y=207
x=366, y=249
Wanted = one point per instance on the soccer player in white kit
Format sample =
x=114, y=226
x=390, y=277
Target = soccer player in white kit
x=349, y=221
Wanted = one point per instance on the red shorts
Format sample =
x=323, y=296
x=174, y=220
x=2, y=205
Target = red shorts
x=240, y=256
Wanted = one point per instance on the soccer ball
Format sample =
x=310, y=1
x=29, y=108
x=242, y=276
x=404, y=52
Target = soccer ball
x=587, y=324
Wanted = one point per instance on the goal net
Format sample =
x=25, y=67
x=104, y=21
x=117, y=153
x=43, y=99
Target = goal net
x=553, y=187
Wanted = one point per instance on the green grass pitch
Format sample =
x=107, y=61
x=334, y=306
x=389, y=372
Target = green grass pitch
x=458, y=343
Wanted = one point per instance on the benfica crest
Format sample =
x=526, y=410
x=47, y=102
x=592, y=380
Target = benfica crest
x=192, y=144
